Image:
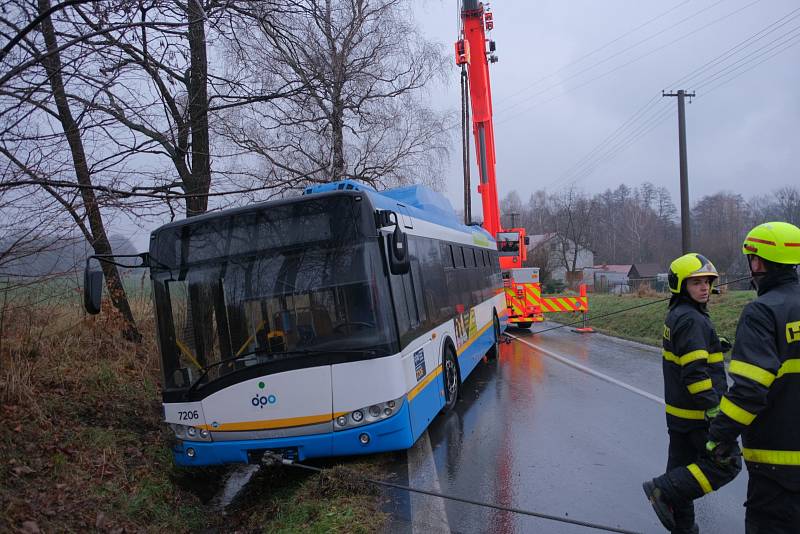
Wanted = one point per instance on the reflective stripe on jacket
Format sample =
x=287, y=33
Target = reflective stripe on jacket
x=694, y=373
x=763, y=403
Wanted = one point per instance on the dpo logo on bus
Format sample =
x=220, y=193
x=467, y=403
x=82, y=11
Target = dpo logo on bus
x=259, y=401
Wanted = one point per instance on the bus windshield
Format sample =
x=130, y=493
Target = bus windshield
x=234, y=291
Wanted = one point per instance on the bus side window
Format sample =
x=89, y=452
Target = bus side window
x=434, y=263
x=446, y=255
x=475, y=278
x=416, y=248
x=411, y=300
x=462, y=281
x=497, y=276
x=407, y=291
x=458, y=256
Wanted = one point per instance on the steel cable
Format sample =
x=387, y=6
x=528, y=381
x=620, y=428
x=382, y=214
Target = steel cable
x=271, y=457
x=581, y=321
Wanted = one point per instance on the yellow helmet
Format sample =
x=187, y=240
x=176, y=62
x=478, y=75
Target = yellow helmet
x=690, y=265
x=778, y=242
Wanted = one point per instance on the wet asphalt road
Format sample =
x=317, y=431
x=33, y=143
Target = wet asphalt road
x=532, y=432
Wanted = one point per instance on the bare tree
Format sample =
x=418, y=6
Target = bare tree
x=151, y=82
x=788, y=204
x=635, y=225
x=89, y=219
x=536, y=215
x=573, y=220
x=511, y=210
x=720, y=222
x=363, y=67
x=540, y=257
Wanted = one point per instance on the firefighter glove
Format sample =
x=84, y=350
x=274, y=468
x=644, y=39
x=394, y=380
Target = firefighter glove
x=725, y=454
x=726, y=345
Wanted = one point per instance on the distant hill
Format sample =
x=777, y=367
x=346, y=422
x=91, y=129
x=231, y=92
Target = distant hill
x=58, y=257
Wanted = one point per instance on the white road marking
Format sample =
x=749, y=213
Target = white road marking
x=427, y=513
x=588, y=370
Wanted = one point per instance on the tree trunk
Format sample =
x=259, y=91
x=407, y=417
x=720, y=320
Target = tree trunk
x=200, y=180
x=100, y=243
x=337, y=125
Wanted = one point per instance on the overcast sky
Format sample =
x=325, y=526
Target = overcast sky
x=572, y=72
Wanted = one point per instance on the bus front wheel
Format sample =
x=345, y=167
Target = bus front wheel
x=451, y=379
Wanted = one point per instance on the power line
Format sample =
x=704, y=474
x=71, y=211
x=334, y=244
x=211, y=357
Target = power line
x=642, y=122
x=610, y=139
x=617, y=68
x=634, y=136
x=593, y=52
x=749, y=58
x=714, y=87
x=755, y=37
x=598, y=156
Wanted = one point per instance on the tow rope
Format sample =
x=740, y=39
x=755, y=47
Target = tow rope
x=580, y=321
x=271, y=458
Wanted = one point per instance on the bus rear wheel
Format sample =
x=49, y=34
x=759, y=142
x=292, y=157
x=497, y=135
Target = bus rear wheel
x=494, y=350
x=452, y=382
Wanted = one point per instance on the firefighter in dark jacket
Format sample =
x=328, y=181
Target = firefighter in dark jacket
x=763, y=402
x=694, y=381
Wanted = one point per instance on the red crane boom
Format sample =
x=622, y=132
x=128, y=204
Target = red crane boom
x=475, y=51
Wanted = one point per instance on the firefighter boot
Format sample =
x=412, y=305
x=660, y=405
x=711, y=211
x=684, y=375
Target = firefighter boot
x=683, y=513
x=661, y=505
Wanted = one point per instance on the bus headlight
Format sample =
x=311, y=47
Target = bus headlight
x=190, y=433
x=368, y=414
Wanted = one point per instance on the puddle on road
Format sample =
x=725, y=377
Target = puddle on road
x=234, y=484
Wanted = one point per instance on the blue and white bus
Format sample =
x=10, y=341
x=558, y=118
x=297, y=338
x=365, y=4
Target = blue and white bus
x=339, y=322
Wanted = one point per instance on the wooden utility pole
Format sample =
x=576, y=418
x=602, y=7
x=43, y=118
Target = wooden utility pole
x=686, y=231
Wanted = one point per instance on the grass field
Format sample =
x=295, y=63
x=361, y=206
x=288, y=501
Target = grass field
x=83, y=448
x=645, y=324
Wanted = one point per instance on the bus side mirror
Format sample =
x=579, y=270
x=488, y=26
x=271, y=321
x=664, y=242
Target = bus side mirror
x=527, y=240
x=399, y=261
x=92, y=290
